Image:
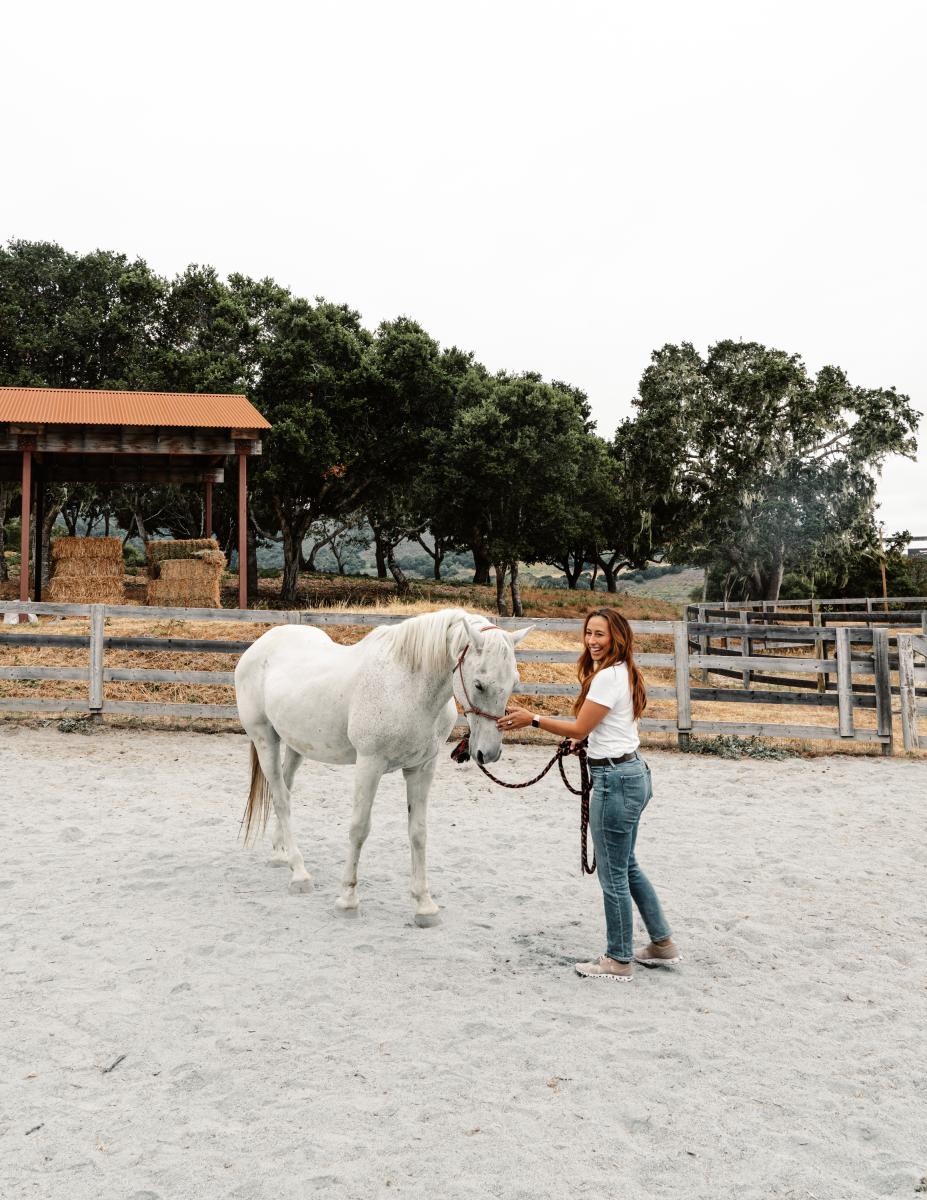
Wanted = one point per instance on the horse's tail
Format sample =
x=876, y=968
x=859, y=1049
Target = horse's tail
x=254, y=820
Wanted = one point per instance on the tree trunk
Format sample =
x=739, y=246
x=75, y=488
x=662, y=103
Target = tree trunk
x=571, y=572
x=436, y=555
x=501, y=603
x=380, y=551
x=140, y=522
x=293, y=534
x=402, y=584
x=48, y=522
x=595, y=576
x=517, y=610
x=482, y=559
x=774, y=580
x=610, y=568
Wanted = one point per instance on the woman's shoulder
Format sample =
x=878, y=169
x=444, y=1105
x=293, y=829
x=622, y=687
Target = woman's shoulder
x=611, y=676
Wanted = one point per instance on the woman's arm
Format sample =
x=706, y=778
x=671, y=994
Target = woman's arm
x=589, y=716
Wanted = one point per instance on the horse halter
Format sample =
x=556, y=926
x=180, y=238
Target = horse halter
x=472, y=707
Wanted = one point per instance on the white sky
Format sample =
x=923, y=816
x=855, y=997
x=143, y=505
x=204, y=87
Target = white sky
x=557, y=187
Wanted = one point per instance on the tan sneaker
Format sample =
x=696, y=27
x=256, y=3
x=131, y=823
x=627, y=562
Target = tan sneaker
x=606, y=968
x=658, y=956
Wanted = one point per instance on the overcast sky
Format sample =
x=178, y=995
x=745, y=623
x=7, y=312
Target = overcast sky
x=556, y=187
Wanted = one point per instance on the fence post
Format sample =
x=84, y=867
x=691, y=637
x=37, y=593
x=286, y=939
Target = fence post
x=704, y=642
x=907, y=690
x=881, y=670
x=844, y=681
x=95, y=698
x=745, y=644
x=683, y=695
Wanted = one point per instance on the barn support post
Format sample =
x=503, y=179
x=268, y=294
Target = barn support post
x=24, y=523
x=243, y=527
x=207, y=518
x=37, y=540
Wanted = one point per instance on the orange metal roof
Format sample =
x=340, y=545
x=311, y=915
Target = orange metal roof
x=75, y=406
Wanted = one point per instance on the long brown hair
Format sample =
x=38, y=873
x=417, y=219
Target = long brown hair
x=621, y=650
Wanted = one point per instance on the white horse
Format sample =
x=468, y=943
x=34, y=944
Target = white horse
x=384, y=704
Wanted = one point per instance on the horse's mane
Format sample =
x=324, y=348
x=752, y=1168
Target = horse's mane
x=421, y=643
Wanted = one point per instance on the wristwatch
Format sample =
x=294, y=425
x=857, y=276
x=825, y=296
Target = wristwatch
x=535, y=722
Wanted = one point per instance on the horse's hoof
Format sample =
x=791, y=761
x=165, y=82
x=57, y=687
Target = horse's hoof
x=349, y=913
x=299, y=886
x=427, y=920
x=278, y=862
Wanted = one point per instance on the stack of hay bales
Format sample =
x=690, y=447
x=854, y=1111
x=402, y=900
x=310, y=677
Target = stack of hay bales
x=86, y=570
x=185, y=573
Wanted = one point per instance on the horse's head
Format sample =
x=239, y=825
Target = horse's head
x=484, y=676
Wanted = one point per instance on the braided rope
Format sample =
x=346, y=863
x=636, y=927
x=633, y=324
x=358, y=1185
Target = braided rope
x=584, y=790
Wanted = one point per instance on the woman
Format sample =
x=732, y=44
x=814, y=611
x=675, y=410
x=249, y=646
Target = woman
x=611, y=699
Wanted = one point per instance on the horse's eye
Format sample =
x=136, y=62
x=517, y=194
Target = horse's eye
x=479, y=686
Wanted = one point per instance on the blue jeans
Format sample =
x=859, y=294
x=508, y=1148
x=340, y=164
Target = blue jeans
x=620, y=793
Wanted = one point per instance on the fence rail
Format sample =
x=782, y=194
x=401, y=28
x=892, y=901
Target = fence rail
x=833, y=676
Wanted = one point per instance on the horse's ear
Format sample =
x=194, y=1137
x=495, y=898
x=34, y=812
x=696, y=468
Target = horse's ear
x=475, y=636
x=465, y=634
x=518, y=634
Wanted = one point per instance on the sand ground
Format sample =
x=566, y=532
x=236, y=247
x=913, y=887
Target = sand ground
x=265, y=1047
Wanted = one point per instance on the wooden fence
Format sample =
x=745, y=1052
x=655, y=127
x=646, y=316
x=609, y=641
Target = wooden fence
x=855, y=605
x=832, y=677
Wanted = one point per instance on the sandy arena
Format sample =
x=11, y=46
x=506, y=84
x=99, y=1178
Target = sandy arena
x=175, y=1025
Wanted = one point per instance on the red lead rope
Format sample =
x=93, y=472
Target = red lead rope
x=461, y=753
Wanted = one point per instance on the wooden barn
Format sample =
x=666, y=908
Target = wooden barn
x=72, y=435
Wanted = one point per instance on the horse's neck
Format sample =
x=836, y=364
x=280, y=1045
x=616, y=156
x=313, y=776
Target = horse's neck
x=438, y=684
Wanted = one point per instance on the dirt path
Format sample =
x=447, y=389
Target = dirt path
x=272, y=1049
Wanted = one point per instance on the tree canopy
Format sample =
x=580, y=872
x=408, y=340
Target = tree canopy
x=739, y=460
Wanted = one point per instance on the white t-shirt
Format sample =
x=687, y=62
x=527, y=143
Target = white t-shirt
x=616, y=733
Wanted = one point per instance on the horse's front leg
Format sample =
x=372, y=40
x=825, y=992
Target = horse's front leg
x=367, y=775
x=418, y=783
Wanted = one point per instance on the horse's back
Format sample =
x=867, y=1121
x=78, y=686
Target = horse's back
x=296, y=679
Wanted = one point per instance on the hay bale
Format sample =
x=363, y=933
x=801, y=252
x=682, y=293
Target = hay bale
x=183, y=593
x=77, y=590
x=215, y=557
x=158, y=551
x=192, y=569
x=88, y=568
x=84, y=548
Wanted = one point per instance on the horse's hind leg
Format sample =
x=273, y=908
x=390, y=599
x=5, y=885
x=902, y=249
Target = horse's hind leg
x=267, y=745
x=367, y=775
x=291, y=763
x=418, y=783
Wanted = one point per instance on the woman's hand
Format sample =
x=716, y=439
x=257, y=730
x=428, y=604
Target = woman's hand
x=515, y=718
